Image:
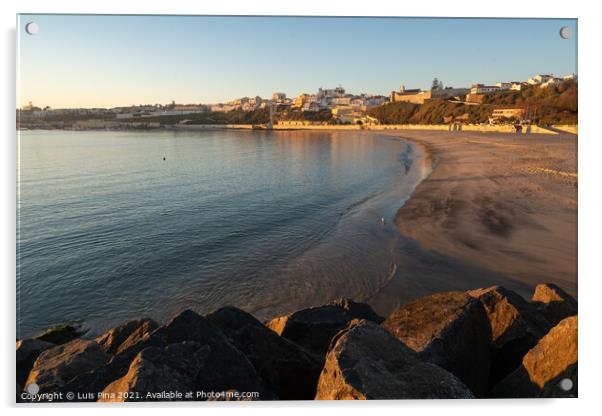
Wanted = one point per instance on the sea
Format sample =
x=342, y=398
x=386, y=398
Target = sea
x=116, y=225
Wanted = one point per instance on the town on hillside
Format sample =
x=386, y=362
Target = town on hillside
x=541, y=99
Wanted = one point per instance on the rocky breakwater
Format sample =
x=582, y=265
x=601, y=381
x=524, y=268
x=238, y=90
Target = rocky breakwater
x=482, y=343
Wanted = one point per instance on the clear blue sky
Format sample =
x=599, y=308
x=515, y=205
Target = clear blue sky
x=88, y=61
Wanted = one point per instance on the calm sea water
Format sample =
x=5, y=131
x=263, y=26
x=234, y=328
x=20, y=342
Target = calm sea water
x=266, y=221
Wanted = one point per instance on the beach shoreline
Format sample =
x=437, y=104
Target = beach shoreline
x=503, y=203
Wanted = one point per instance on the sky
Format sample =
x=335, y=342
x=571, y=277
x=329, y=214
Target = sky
x=107, y=61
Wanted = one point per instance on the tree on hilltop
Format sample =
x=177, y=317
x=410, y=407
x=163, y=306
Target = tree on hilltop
x=437, y=85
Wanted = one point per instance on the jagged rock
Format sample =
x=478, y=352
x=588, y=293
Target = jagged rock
x=188, y=326
x=214, y=376
x=160, y=374
x=27, y=352
x=357, y=309
x=516, y=326
x=56, y=366
x=126, y=334
x=313, y=328
x=450, y=330
x=545, y=366
x=241, y=375
x=553, y=302
x=60, y=334
x=97, y=379
x=287, y=369
x=367, y=362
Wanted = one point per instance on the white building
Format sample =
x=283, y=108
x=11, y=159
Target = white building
x=517, y=86
x=278, y=97
x=539, y=79
x=551, y=81
x=484, y=89
x=376, y=100
x=341, y=100
x=331, y=93
x=310, y=106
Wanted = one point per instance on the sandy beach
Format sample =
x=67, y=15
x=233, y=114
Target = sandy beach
x=503, y=203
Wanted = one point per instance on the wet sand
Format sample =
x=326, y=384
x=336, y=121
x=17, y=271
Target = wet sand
x=503, y=206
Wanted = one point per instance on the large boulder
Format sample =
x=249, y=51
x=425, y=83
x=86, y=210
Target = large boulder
x=547, y=368
x=158, y=374
x=118, y=365
x=516, y=326
x=227, y=368
x=225, y=364
x=56, y=366
x=314, y=328
x=366, y=362
x=450, y=330
x=224, y=367
x=553, y=302
x=126, y=334
x=27, y=352
x=288, y=370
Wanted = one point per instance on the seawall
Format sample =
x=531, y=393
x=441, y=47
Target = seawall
x=427, y=127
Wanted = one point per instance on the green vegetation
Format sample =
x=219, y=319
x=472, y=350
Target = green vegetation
x=436, y=111
x=298, y=115
x=259, y=116
x=550, y=105
x=63, y=117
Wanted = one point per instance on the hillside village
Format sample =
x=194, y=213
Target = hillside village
x=324, y=107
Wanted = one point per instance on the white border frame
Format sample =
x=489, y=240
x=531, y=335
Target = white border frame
x=589, y=219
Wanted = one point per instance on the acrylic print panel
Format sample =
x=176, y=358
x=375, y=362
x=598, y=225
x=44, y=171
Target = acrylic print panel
x=276, y=208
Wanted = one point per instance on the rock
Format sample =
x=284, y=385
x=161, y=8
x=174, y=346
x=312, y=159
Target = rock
x=545, y=366
x=97, y=379
x=313, y=328
x=159, y=374
x=60, y=334
x=126, y=334
x=516, y=326
x=367, y=362
x=223, y=368
x=56, y=366
x=287, y=369
x=450, y=330
x=553, y=302
x=357, y=309
x=27, y=352
x=87, y=385
x=240, y=374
